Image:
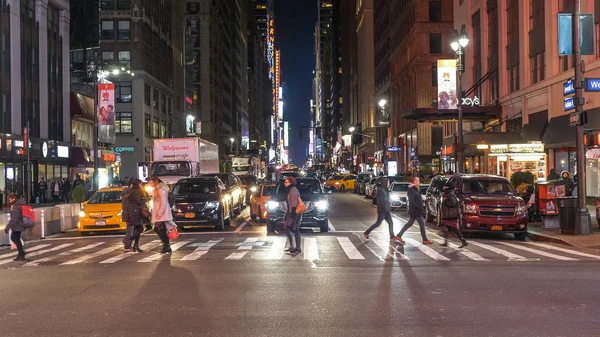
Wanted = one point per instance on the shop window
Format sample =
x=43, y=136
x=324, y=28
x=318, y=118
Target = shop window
x=147, y=125
x=155, y=127
x=108, y=30
x=124, y=58
x=123, y=122
x=561, y=161
x=123, y=30
x=123, y=92
x=147, y=94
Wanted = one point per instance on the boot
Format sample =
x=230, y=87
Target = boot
x=464, y=243
x=162, y=233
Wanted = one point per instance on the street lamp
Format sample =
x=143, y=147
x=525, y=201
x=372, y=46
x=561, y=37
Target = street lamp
x=382, y=104
x=351, y=129
x=232, y=140
x=460, y=42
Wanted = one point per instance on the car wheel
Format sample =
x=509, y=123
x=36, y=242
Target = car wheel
x=271, y=226
x=521, y=236
x=221, y=222
x=428, y=215
x=324, y=225
x=85, y=233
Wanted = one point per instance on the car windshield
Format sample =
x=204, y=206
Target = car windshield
x=268, y=190
x=487, y=187
x=400, y=188
x=304, y=186
x=250, y=180
x=113, y=197
x=170, y=168
x=195, y=187
x=337, y=177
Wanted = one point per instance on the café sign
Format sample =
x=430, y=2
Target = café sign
x=517, y=148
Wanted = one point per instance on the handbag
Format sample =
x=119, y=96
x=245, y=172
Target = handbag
x=173, y=234
x=301, y=208
x=144, y=212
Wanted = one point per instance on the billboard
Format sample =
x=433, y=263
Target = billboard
x=446, y=74
x=106, y=113
x=286, y=137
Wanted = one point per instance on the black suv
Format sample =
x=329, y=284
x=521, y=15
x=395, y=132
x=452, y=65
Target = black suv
x=312, y=194
x=234, y=188
x=200, y=202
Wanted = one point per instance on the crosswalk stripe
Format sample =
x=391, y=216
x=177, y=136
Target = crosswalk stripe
x=14, y=253
x=144, y=247
x=564, y=250
x=201, y=250
x=539, y=252
x=499, y=251
x=350, y=249
x=242, y=250
x=40, y=252
x=310, y=250
x=91, y=256
x=74, y=251
x=157, y=256
x=463, y=251
x=385, y=247
x=276, y=251
x=427, y=250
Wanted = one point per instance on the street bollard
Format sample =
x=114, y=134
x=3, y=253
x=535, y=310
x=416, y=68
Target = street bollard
x=43, y=223
x=62, y=220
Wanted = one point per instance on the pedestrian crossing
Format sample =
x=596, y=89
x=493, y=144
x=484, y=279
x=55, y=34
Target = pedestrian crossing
x=350, y=248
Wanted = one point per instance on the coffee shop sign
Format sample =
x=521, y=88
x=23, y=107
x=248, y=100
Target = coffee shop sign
x=468, y=101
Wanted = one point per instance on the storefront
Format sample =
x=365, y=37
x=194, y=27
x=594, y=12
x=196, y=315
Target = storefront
x=508, y=159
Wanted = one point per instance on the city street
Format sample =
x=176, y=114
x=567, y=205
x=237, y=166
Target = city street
x=241, y=282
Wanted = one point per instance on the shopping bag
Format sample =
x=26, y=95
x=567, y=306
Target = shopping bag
x=173, y=234
x=301, y=208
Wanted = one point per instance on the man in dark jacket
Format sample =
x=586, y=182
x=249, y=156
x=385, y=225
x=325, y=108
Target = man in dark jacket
x=66, y=189
x=416, y=210
x=132, y=201
x=16, y=224
x=43, y=190
x=384, y=210
x=553, y=175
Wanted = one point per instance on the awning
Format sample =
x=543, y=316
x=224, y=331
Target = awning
x=559, y=133
x=470, y=151
x=470, y=114
x=78, y=157
x=493, y=138
x=81, y=106
x=534, y=131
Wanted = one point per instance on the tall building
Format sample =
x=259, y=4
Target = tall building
x=382, y=15
x=142, y=37
x=34, y=92
x=323, y=41
x=239, y=68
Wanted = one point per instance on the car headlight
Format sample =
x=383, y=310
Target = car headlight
x=120, y=213
x=322, y=205
x=253, y=189
x=211, y=205
x=272, y=205
x=522, y=209
x=81, y=214
x=337, y=182
x=470, y=209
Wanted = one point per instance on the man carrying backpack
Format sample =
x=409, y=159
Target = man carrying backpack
x=16, y=224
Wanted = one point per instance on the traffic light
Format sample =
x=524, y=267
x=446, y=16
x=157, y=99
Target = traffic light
x=591, y=138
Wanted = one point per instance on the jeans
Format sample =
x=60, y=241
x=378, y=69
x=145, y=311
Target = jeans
x=293, y=232
x=456, y=231
x=410, y=222
x=387, y=216
x=16, y=238
x=132, y=235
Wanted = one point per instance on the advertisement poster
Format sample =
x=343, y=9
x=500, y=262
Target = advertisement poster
x=446, y=72
x=106, y=113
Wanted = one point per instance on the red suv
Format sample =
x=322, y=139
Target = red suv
x=488, y=204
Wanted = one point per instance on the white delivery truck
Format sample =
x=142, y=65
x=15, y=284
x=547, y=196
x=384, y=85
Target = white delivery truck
x=246, y=165
x=177, y=158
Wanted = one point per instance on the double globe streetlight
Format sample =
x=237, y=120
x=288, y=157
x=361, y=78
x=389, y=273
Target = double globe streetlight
x=458, y=44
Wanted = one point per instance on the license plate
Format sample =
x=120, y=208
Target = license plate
x=100, y=222
x=496, y=228
x=190, y=215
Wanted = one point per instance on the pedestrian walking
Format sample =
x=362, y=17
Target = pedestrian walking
x=450, y=211
x=384, y=210
x=15, y=225
x=55, y=191
x=416, y=211
x=43, y=190
x=66, y=189
x=132, y=201
x=292, y=218
x=161, y=212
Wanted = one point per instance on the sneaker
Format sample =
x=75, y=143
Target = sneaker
x=427, y=242
x=365, y=236
x=399, y=239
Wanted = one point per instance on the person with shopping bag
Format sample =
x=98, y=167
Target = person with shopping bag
x=15, y=225
x=161, y=212
x=293, y=216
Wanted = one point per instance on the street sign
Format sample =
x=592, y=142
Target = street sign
x=568, y=87
x=394, y=149
x=592, y=84
x=569, y=103
x=574, y=119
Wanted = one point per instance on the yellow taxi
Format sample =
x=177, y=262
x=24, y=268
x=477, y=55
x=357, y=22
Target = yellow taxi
x=103, y=211
x=342, y=182
x=258, y=201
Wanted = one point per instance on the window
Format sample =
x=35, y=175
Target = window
x=536, y=13
x=108, y=57
x=537, y=66
x=123, y=4
x=123, y=30
x=435, y=43
x=147, y=94
x=163, y=103
x=124, y=58
x=163, y=130
x=435, y=11
x=123, y=92
x=123, y=122
x=434, y=77
x=147, y=126
x=513, y=78
x=155, y=99
x=108, y=4
x=108, y=30
x=155, y=127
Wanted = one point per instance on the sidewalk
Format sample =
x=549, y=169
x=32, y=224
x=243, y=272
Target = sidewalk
x=537, y=233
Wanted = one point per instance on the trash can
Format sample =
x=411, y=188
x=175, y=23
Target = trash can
x=567, y=214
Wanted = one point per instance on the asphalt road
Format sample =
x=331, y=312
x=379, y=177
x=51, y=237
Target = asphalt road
x=240, y=283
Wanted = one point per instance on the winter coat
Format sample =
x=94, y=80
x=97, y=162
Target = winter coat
x=16, y=217
x=66, y=187
x=292, y=202
x=415, y=202
x=569, y=183
x=132, y=201
x=451, y=204
x=161, y=211
x=383, y=199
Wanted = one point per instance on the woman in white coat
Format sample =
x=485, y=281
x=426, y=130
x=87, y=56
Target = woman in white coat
x=161, y=212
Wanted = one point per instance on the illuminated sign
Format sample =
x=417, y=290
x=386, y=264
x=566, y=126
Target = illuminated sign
x=188, y=99
x=110, y=157
x=124, y=149
x=62, y=151
x=446, y=74
x=286, y=137
x=517, y=148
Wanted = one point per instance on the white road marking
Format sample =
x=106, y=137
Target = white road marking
x=310, y=250
x=13, y=253
x=350, y=249
x=242, y=249
x=538, y=252
x=239, y=228
x=463, y=251
x=331, y=228
x=564, y=250
x=157, y=256
x=499, y=251
x=276, y=251
x=93, y=255
x=40, y=252
x=201, y=250
x=385, y=247
x=50, y=258
x=427, y=250
x=144, y=247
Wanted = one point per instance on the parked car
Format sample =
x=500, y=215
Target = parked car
x=361, y=179
x=399, y=195
x=201, y=202
x=369, y=185
x=378, y=183
x=312, y=194
x=258, y=202
x=488, y=204
x=234, y=188
x=342, y=182
x=250, y=184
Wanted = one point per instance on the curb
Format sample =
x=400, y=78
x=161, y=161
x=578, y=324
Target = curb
x=540, y=237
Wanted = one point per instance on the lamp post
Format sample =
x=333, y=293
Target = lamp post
x=351, y=129
x=385, y=122
x=460, y=42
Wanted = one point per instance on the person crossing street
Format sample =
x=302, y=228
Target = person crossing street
x=416, y=210
x=384, y=209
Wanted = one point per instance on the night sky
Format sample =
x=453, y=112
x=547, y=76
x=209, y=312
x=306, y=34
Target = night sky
x=294, y=27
